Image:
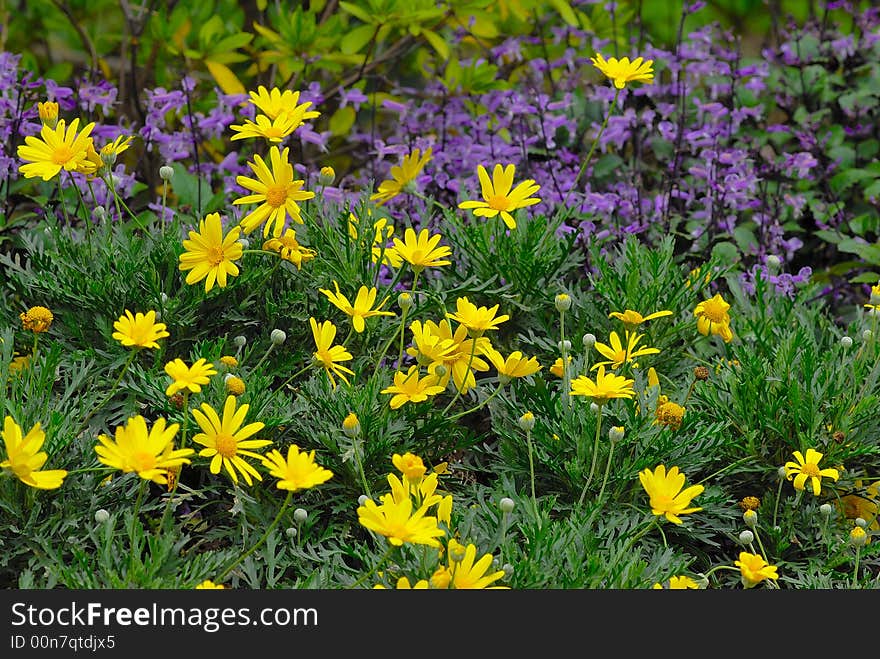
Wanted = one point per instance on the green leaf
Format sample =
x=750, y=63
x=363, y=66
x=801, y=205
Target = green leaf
x=869, y=253
x=865, y=278
x=342, y=120
x=357, y=12
x=357, y=39
x=565, y=11
x=437, y=43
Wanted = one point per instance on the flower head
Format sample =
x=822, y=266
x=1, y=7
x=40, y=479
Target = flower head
x=57, y=148
x=498, y=197
x=808, y=468
x=48, y=112
x=275, y=190
x=139, y=330
x=274, y=103
x=401, y=175
x=409, y=388
x=666, y=494
x=669, y=414
x=712, y=318
x=37, y=319
x=327, y=354
x=682, y=582
x=621, y=71
x=618, y=354
x=398, y=522
x=468, y=573
x=298, y=471
x=226, y=440
x=754, y=569
x=604, y=388
x=186, y=377
x=272, y=129
x=384, y=230
x=410, y=465
x=516, y=365
x=632, y=319
x=476, y=319
x=25, y=459
x=147, y=452
x=209, y=255
x=289, y=249
x=362, y=307
x=422, y=251
x=207, y=584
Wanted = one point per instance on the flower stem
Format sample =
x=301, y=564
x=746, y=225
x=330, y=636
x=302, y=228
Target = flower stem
x=607, y=470
x=375, y=567
x=478, y=406
x=532, y=477
x=108, y=396
x=259, y=542
x=593, y=463
x=566, y=372
x=855, y=577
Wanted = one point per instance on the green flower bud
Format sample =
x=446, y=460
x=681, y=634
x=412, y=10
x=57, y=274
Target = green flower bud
x=750, y=517
x=351, y=425
x=858, y=537
x=507, y=505
x=278, y=337
x=562, y=302
x=527, y=421
x=846, y=342
x=746, y=537
x=101, y=516
x=166, y=172
x=300, y=515
x=589, y=340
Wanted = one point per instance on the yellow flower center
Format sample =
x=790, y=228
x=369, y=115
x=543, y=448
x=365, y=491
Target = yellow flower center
x=810, y=470
x=61, y=155
x=143, y=461
x=273, y=131
x=288, y=242
x=227, y=446
x=713, y=311
x=661, y=502
x=499, y=203
x=215, y=255
x=276, y=195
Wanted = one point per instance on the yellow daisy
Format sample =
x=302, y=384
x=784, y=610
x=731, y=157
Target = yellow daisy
x=298, y=471
x=621, y=71
x=25, y=459
x=186, y=377
x=147, y=452
x=807, y=467
x=327, y=354
x=422, y=251
x=401, y=176
x=209, y=254
x=289, y=249
x=409, y=388
x=273, y=102
x=57, y=148
x=362, y=307
x=139, y=330
x=498, y=197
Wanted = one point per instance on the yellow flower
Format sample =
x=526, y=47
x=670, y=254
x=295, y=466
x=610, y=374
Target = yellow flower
x=188, y=377
x=298, y=471
x=384, y=230
x=25, y=459
x=362, y=307
x=226, y=441
x=458, y=361
x=229, y=361
x=207, y=584
x=401, y=175
x=397, y=521
x=864, y=502
x=712, y=318
x=209, y=255
x=428, y=346
x=274, y=130
x=289, y=249
x=54, y=150
x=665, y=492
x=234, y=385
x=556, y=369
x=874, y=301
x=410, y=465
x=693, y=277
x=617, y=354
x=37, y=319
x=808, y=468
x=140, y=330
x=498, y=196
x=679, y=583
x=476, y=319
x=754, y=569
x=275, y=190
x=632, y=319
x=149, y=453
x=403, y=584
x=623, y=71
x=515, y=366
x=327, y=354
x=327, y=175
x=604, y=388
x=421, y=251
x=408, y=388
x=467, y=574
x=669, y=414
x=48, y=112
x=273, y=102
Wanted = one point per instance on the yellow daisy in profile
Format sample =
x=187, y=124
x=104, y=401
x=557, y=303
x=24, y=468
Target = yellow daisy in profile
x=477, y=319
x=605, y=387
x=274, y=130
x=147, y=452
x=298, y=471
x=401, y=175
x=100, y=161
x=808, y=468
x=556, y=368
x=209, y=254
x=289, y=249
x=25, y=459
x=399, y=523
x=186, y=377
x=632, y=319
x=410, y=465
x=621, y=71
x=516, y=365
x=226, y=440
x=384, y=231
x=61, y=147
x=666, y=494
x=275, y=190
x=618, y=354
x=327, y=354
x=409, y=388
x=37, y=319
x=362, y=307
x=466, y=572
x=498, y=197
x=422, y=251
x=754, y=569
x=139, y=330
x=273, y=103
x=682, y=582
x=48, y=112
x=712, y=318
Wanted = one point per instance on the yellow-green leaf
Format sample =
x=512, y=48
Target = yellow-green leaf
x=356, y=11
x=357, y=39
x=565, y=11
x=342, y=120
x=438, y=43
x=226, y=79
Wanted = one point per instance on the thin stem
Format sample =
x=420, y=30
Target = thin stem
x=134, y=519
x=566, y=372
x=595, y=451
x=295, y=375
x=360, y=466
x=478, y=406
x=403, y=319
x=263, y=358
x=259, y=542
x=164, y=200
x=367, y=575
x=63, y=205
x=607, y=470
x=109, y=395
x=855, y=577
x=532, y=478
x=776, y=505
x=87, y=220
x=402, y=329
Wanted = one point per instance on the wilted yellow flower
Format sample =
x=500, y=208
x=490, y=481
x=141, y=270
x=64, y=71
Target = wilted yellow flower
x=289, y=249
x=37, y=319
x=669, y=414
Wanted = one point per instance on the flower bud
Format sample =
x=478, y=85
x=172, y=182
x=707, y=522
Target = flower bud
x=351, y=425
x=48, y=112
x=750, y=517
x=101, y=516
x=300, y=515
x=562, y=302
x=327, y=176
x=163, y=298
x=746, y=537
x=457, y=552
x=773, y=262
x=527, y=421
x=589, y=340
x=240, y=341
x=615, y=433
x=594, y=408
x=244, y=242
x=825, y=509
x=278, y=337
x=867, y=335
x=508, y=570
x=166, y=172
x=440, y=370
x=361, y=499
x=781, y=472
x=405, y=301
x=860, y=522
x=234, y=384
x=290, y=532
x=858, y=537
x=564, y=346
x=846, y=342
x=507, y=505
x=100, y=213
